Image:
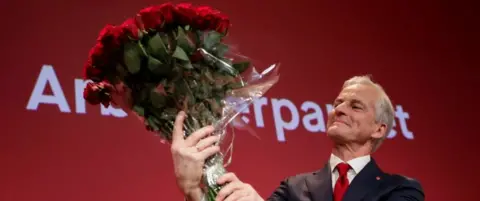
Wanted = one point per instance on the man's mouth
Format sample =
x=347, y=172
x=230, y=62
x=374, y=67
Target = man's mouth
x=340, y=121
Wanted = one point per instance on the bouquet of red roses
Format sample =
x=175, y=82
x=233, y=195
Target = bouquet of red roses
x=171, y=58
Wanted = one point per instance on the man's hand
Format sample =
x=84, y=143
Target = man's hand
x=235, y=190
x=189, y=156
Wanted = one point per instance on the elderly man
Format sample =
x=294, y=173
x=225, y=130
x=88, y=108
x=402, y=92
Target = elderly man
x=361, y=118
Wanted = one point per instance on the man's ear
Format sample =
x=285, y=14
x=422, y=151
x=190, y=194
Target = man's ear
x=380, y=132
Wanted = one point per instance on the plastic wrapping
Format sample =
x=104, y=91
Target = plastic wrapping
x=170, y=59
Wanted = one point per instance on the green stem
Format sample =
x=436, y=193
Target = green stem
x=212, y=194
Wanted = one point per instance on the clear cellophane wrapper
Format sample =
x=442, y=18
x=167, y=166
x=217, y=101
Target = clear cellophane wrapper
x=210, y=97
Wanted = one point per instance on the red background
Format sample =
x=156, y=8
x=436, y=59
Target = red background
x=424, y=53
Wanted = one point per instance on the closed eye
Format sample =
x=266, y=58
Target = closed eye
x=357, y=105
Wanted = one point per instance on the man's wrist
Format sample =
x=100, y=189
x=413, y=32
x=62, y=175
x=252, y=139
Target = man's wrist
x=194, y=195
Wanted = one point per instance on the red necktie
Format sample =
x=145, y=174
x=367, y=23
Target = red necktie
x=342, y=182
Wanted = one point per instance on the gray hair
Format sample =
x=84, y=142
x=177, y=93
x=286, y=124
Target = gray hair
x=384, y=112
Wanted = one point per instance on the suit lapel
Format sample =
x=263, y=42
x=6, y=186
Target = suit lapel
x=367, y=180
x=320, y=185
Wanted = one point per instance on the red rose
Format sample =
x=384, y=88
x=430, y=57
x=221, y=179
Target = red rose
x=196, y=56
x=210, y=19
x=97, y=55
x=105, y=32
x=222, y=24
x=185, y=14
x=166, y=11
x=151, y=17
x=96, y=93
x=92, y=72
x=130, y=28
x=206, y=16
x=97, y=50
x=109, y=37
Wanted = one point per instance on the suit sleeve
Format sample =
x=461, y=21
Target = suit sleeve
x=281, y=193
x=410, y=190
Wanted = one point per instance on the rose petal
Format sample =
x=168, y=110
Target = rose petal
x=130, y=28
x=151, y=17
x=166, y=11
x=185, y=14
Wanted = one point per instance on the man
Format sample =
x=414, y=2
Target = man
x=361, y=118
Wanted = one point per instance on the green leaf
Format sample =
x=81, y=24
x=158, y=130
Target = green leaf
x=225, y=66
x=152, y=123
x=211, y=39
x=186, y=64
x=158, y=68
x=184, y=41
x=156, y=47
x=131, y=57
x=143, y=51
x=180, y=54
x=139, y=110
x=241, y=66
x=220, y=50
x=154, y=64
x=157, y=100
x=167, y=40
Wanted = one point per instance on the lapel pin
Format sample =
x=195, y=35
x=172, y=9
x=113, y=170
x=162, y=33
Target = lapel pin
x=378, y=178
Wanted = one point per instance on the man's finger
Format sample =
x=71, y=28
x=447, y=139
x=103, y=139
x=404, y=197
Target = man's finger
x=227, y=190
x=177, y=134
x=227, y=178
x=206, y=142
x=207, y=152
x=246, y=198
x=197, y=135
x=237, y=195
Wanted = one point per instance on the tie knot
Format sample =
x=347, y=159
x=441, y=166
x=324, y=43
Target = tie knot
x=343, y=168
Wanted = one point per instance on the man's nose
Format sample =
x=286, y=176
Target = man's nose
x=341, y=109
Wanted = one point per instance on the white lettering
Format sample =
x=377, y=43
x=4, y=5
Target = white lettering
x=257, y=109
x=280, y=123
x=47, y=76
x=111, y=111
x=79, y=100
x=402, y=117
x=313, y=119
x=316, y=115
x=329, y=107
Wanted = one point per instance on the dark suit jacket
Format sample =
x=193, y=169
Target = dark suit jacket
x=371, y=184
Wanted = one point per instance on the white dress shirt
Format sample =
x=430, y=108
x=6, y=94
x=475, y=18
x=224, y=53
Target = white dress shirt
x=357, y=165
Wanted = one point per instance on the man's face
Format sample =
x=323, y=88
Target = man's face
x=352, y=119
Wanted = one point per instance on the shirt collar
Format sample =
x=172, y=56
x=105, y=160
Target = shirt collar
x=357, y=164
